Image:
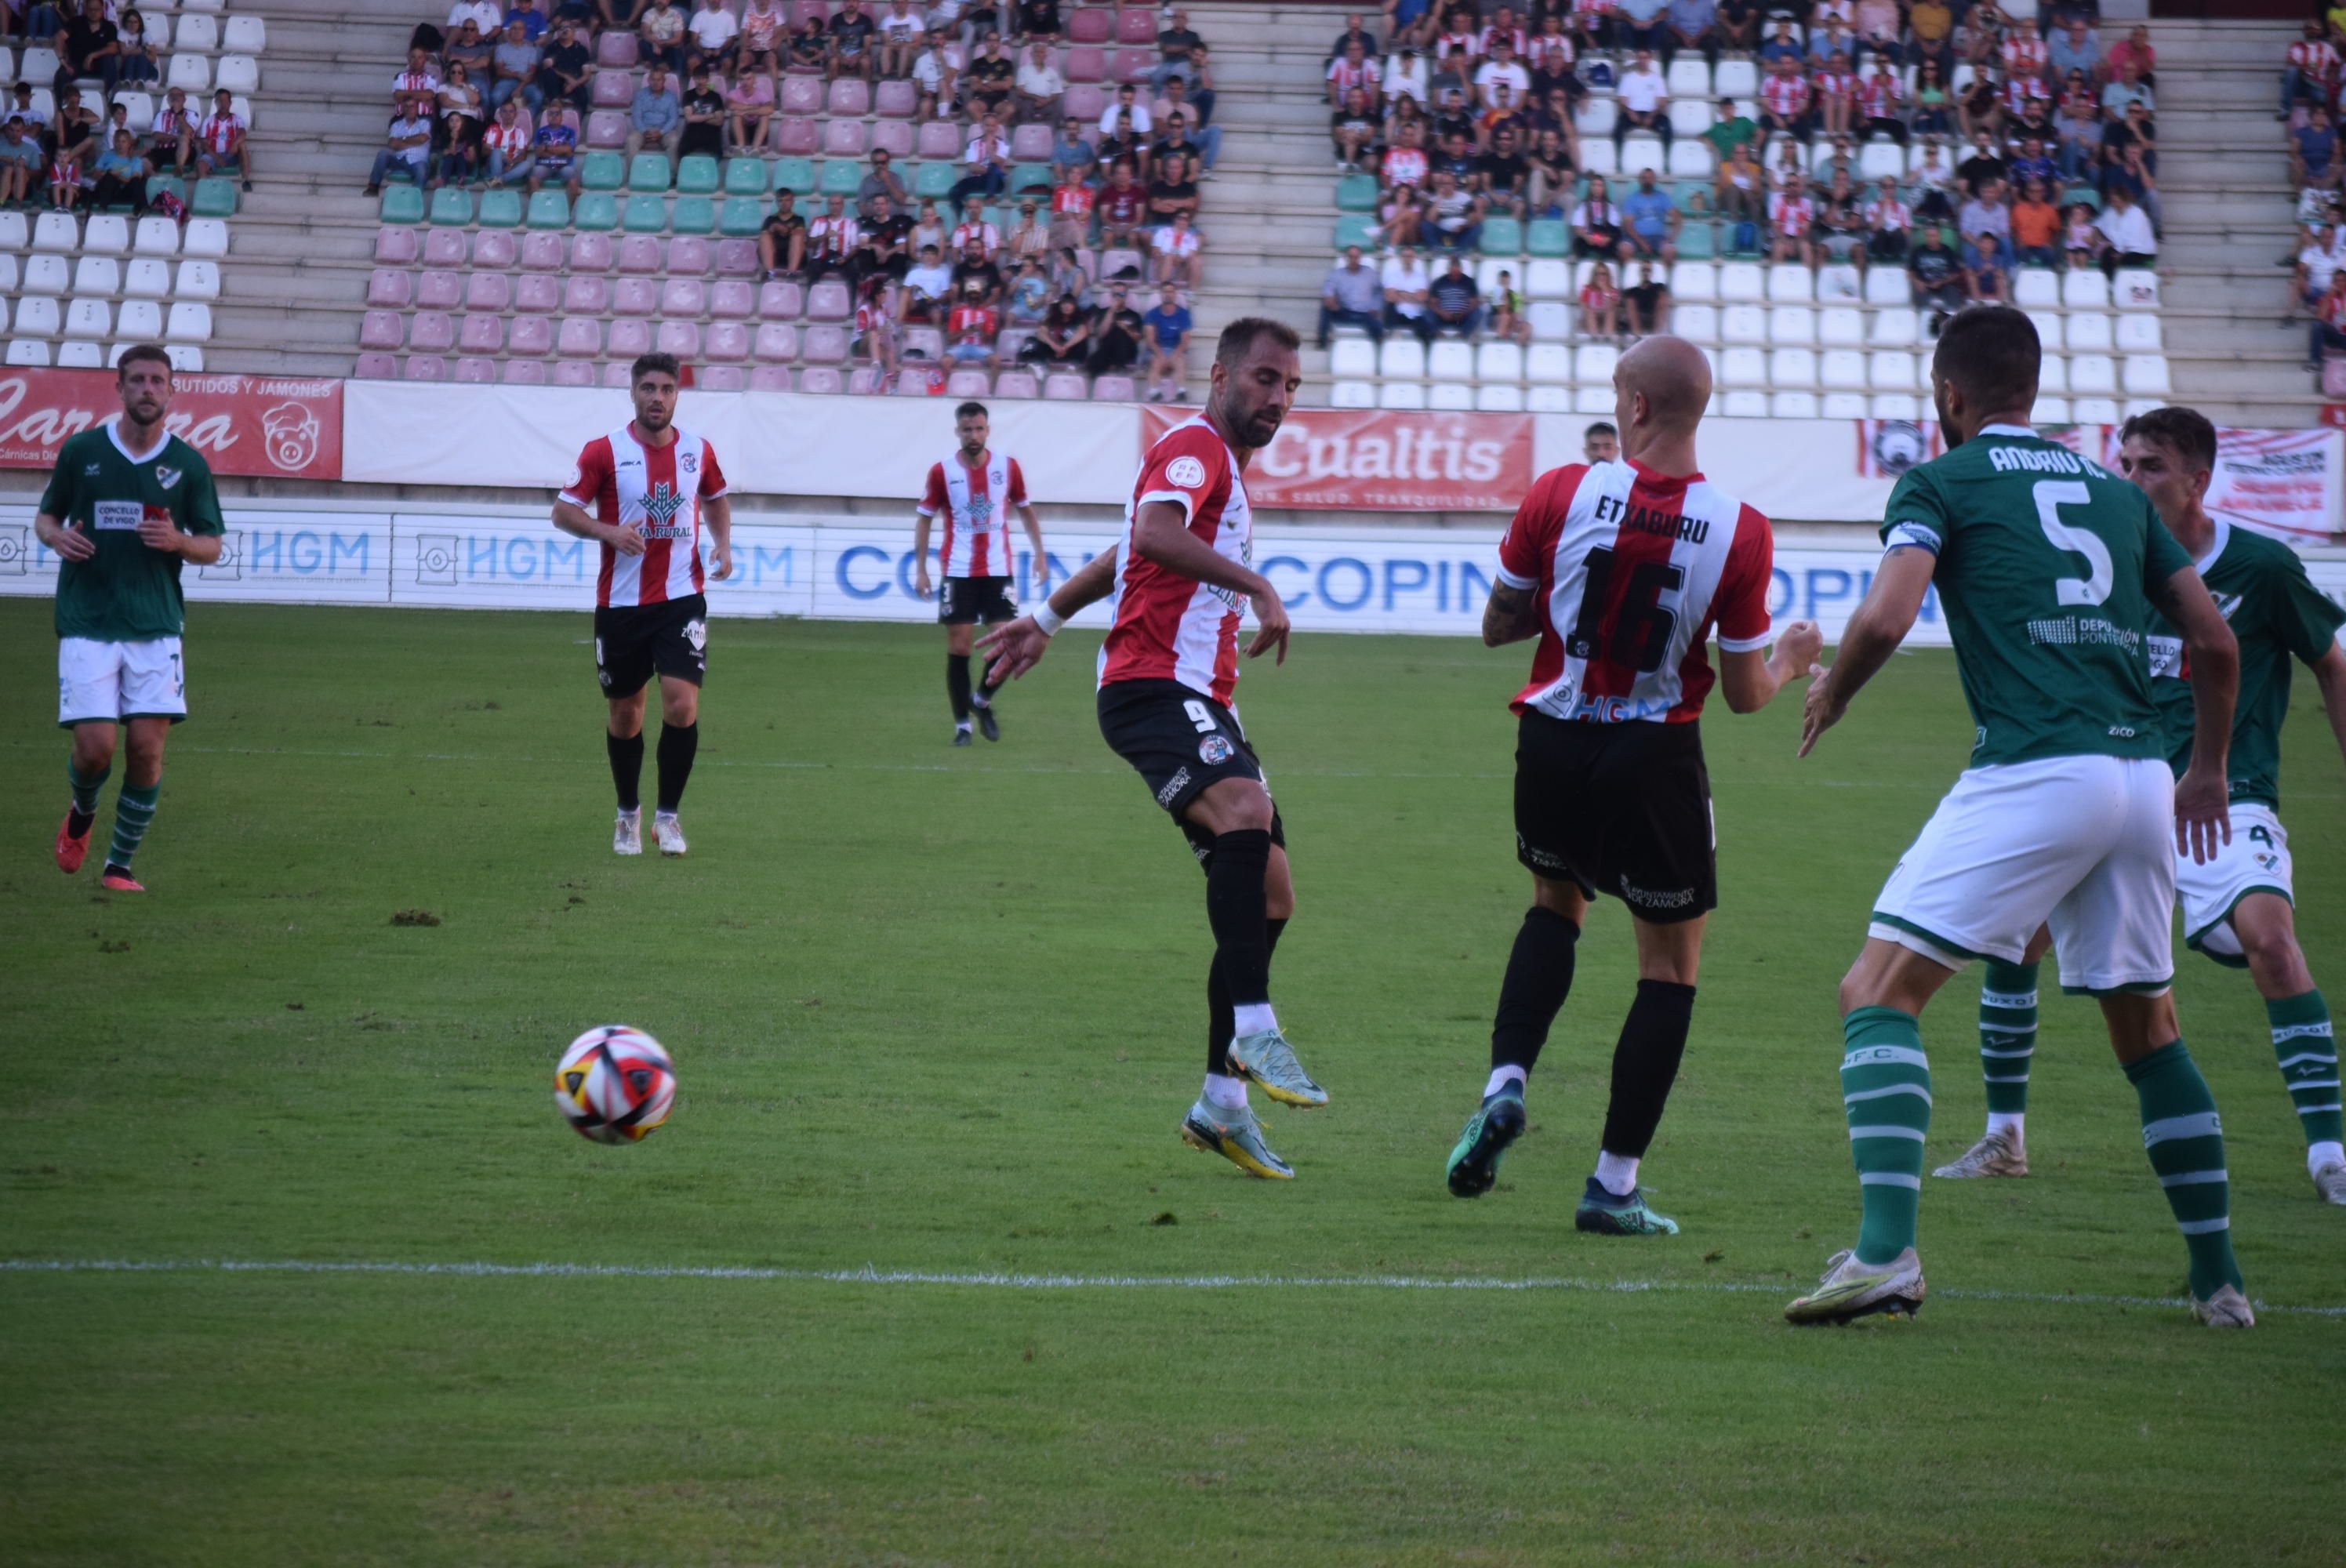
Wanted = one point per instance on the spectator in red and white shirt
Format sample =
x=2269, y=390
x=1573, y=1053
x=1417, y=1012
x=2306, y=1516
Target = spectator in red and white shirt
x=1174, y=252
x=831, y=236
x=1405, y=162
x=221, y=142
x=1836, y=96
x=974, y=229
x=1071, y=215
x=1879, y=97
x=2024, y=52
x=1352, y=71
x=1888, y=223
x=1791, y=214
x=2311, y=76
x=1502, y=28
x=508, y=142
x=1458, y=42
x=1784, y=101
x=416, y=88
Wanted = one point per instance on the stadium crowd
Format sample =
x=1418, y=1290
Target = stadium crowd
x=2312, y=99
x=1951, y=138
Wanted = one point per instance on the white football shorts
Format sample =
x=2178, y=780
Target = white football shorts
x=2255, y=862
x=103, y=682
x=2086, y=845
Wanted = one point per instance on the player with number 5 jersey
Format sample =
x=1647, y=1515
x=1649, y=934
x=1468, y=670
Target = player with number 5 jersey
x=2049, y=569
x=1623, y=569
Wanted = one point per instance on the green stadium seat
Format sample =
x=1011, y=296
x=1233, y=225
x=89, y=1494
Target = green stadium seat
x=745, y=176
x=215, y=198
x=797, y=174
x=1356, y=229
x=1027, y=176
x=596, y=209
x=2085, y=193
x=1548, y=237
x=451, y=206
x=549, y=210
x=402, y=204
x=1698, y=240
x=644, y=214
x=840, y=176
x=500, y=208
x=999, y=217
x=933, y=180
x=158, y=183
x=602, y=170
x=741, y=215
x=1692, y=196
x=693, y=214
x=1357, y=193
x=1501, y=237
x=697, y=174
x=649, y=172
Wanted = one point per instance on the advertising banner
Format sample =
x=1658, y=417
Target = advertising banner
x=250, y=426
x=1375, y=458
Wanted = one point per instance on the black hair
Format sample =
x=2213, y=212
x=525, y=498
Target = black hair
x=1992, y=355
x=1602, y=427
x=1239, y=339
x=136, y=353
x=654, y=363
x=971, y=410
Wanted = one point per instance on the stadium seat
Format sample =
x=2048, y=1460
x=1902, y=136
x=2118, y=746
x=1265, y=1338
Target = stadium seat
x=823, y=345
x=940, y=140
x=596, y=210
x=1793, y=370
x=216, y=197
x=585, y=294
x=1548, y=362
x=2051, y=410
x=1696, y=323
x=736, y=258
x=1451, y=397
x=444, y=247
x=695, y=215
x=1547, y=278
x=1691, y=157
x=1091, y=25
x=79, y=354
x=2133, y=287
x=1501, y=237
x=1891, y=371
x=377, y=368
x=2051, y=333
x=24, y=351
x=56, y=231
x=744, y=177
x=107, y=234
x=1744, y=404
x=2087, y=331
x=1352, y=357
x=1694, y=282
x=732, y=299
x=47, y=275
x=573, y=372
x=401, y=204
x=635, y=297
x=387, y=289
x=720, y=378
x=1839, y=285
x=1887, y=286
x=1407, y=396
x=1354, y=192
x=377, y=328
x=1895, y=328
x=579, y=338
x=541, y=254
x=1351, y=394
x=727, y=343
x=481, y=334
x=1742, y=366
x=1592, y=367
x=148, y=278
x=523, y=373
x=88, y=319
x=1842, y=369
x=1499, y=397
x=780, y=300
x=537, y=294
x=97, y=275
x=2095, y=409
x=1549, y=400
x=2037, y=287
x=1450, y=360
x=695, y=176
x=1792, y=327
x=2145, y=375
x=1743, y=324
x=1790, y=283
x=683, y=296
x=644, y=214
x=2085, y=291
x=439, y=291
x=628, y=337
x=1893, y=405
x=681, y=339
x=591, y=252
x=1354, y=229
x=1499, y=361
x=1596, y=118
x=1549, y=319
x=192, y=73
x=893, y=138
x=1793, y=405
x=1842, y=405
x=490, y=292
x=2052, y=375
x=1839, y=327
x=828, y=301
x=2138, y=333
x=1737, y=79
x=1741, y=282
x=1402, y=358
x=897, y=99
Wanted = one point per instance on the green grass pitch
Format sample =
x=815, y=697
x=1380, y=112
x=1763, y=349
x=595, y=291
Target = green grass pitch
x=939, y=1011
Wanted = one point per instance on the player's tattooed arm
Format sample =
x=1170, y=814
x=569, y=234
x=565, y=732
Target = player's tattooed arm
x=2203, y=817
x=1510, y=616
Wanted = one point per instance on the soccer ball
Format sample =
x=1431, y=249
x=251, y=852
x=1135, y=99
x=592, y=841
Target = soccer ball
x=615, y=1084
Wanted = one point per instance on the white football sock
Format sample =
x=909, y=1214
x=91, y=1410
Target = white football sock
x=2316, y=1156
x=1503, y=1076
x=1227, y=1093
x=1253, y=1018
x=1616, y=1174
x=2011, y=1122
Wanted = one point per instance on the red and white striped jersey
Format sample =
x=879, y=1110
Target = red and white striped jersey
x=1633, y=568
x=1169, y=627
x=658, y=491
x=1785, y=96
x=976, y=504
x=2315, y=58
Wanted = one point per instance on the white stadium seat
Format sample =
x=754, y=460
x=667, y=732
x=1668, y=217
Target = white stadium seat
x=192, y=73
x=1693, y=282
x=1351, y=394
x=1840, y=284
x=1743, y=324
x=138, y=109
x=1742, y=367
x=1550, y=363
x=1738, y=78
x=2138, y=333
x=1450, y=360
x=1352, y=357
x=1696, y=323
x=1403, y=357
x=1499, y=363
x=1639, y=153
x=1688, y=77
x=2095, y=409
x=1502, y=397
x=1453, y=397
x=1691, y=116
x=1792, y=368
x=7, y=274
x=25, y=351
x=16, y=232
x=2134, y=289
x=1887, y=286
x=2049, y=335
x=1895, y=328
x=2089, y=333
x=1549, y=400
x=1891, y=371
x=1792, y=327
x=39, y=65
x=2135, y=407
x=245, y=34
x=239, y=73
x=1881, y=158
x=1486, y=271
x=1596, y=156
x=1793, y=405
x=1843, y=406
x=198, y=32
x=2050, y=410
x=1691, y=157
x=142, y=321
x=97, y=275
x=2052, y=375
x=205, y=237
x=2146, y=376
x=2085, y=291
x=1593, y=400
x=47, y=275
x=2093, y=375
x=2036, y=288
x=55, y=231
x=189, y=322
x=1842, y=328
x=1549, y=319
x=1843, y=370
x=1592, y=366
x=1403, y=396
x=79, y=354
x=1790, y=283
x=155, y=237
x=107, y=234
x=1893, y=405
x=36, y=317
x=1745, y=404
x=1547, y=278
x=1595, y=116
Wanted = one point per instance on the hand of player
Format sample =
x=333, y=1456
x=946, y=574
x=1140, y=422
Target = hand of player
x=2203, y=814
x=623, y=539
x=1797, y=648
x=1820, y=710
x=921, y=585
x=159, y=533
x=1012, y=648
x=1270, y=627
x=720, y=560
x=71, y=542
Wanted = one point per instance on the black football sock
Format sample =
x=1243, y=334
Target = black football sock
x=1220, y=1016
x=679, y=744
x=957, y=685
x=986, y=691
x=1539, y=977
x=1645, y=1064
x=1234, y=907
x=627, y=767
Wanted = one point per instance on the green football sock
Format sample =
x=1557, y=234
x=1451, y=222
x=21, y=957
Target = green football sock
x=2007, y=1034
x=2185, y=1140
x=1885, y=1086
x=84, y=786
x=133, y=811
x=2308, y=1052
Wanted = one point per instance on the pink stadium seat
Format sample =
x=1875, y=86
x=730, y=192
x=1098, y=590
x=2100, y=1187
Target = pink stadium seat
x=1089, y=260
x=828, y=301
x=488, y=291
x=531, y=335
x=590, y=253
x=1132, y=66
x=574, y=372
x=494, y=247
x=770, y=378
x=909, y=382
x=683, y=296
x=780, y=301
x=720, y=378
x=1015, y=383
x=1006, y=346
x=378, y=368
x=1091, y=25
x=1112, y=262
x=801, y=96
x=805, y=11
x=439, y=291
x=607, y=127
x=614, y=374
x=380, y=330
x=581, y=339
x=821, y=380
x=776, y=344
x=894, y=138
x=737, y=257
x=796, y=137
x=1136, y=25
x=396, y=247
x=728, y=342
x=613, y=90
x=476, y=372
x=928, y=342
x=615, y=51
x=444, y=247
x=939, y=139
x=863, y=381
x=639, y=254
x=426, y=368
x=1086, y=101
x=681, y=339
x=1031, y=142
x=969, y=384
x=537, y=294
x=1112, y=389
x=390, y=290
x=628, y=338
x=850, y=95
x=688, y=256
x=825, y=346
x=896, y=100
x=541, y=252
x=732, y=300
x=842, y=138
x=1086, y=65
x=431, y=332
x=584, y=294
x=482, y=334
x=525, y=373
x=635, y=297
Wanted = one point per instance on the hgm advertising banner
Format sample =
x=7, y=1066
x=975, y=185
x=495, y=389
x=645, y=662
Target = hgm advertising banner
x=255, y=425
x=1379, y=460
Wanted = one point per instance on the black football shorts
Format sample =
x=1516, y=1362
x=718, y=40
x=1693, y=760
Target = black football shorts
x=1180, y=742
x=633, y=642
x=962, y=601
x=1618, y=809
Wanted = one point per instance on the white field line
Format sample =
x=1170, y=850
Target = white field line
x=872, y=1275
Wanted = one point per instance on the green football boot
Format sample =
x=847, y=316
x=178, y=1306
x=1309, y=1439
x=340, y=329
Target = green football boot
x=1601, y=1212
x=1851, y=1290
x=1269, y=1060
x=1475, y=1162
x=1233, y=1133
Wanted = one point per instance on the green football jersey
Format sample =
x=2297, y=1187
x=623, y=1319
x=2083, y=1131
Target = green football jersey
x=2279, y=617
x=126, y=592
x=2044, y=558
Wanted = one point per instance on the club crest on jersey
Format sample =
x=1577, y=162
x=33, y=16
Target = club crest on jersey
x=661, y=503
x=1215, y=749
x=165, y=476
x=1185, y=472
x=687, y=463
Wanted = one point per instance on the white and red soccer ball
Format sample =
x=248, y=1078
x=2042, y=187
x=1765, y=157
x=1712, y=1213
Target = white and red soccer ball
x=615, y=1084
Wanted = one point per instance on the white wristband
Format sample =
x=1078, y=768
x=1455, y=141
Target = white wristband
x=1047, y=620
